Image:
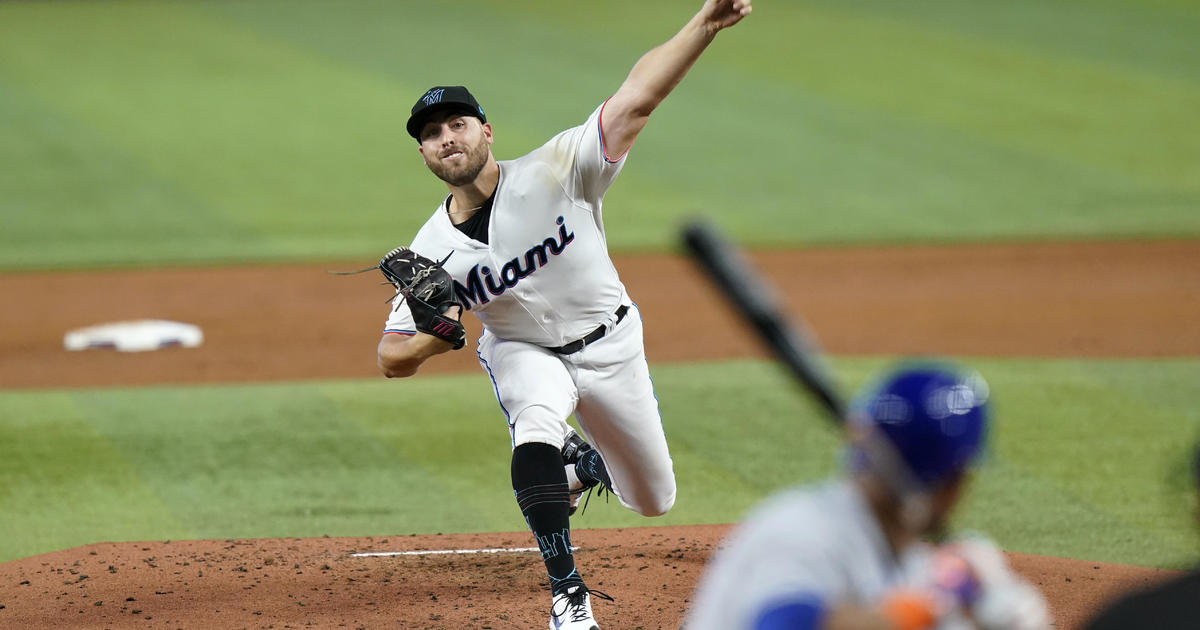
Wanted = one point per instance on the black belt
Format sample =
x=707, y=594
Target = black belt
x=595, y=335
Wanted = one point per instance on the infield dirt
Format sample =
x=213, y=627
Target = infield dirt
x=1133, y=299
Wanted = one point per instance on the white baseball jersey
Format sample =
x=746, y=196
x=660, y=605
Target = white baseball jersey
x=544, y=276
x=544, y=279
x=819, y=545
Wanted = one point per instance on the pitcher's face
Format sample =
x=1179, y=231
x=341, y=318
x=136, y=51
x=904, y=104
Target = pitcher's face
x=456, y=147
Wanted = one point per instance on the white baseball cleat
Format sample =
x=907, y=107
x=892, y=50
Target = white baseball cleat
x=572, y=610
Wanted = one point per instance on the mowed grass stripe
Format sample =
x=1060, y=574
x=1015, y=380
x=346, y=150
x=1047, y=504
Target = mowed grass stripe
x=63, y=482
x=1083, y=111
x=271, y=461
x=277, y=141
x=74, y=196
x=855, y=176
x=1088, y=459
x=268, y=131
x=848, y=168
x=1152, y=36
x=859, y=156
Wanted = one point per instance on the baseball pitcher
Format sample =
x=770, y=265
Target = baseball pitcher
x=521, y=244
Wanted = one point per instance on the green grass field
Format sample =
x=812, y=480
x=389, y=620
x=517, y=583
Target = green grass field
x=1088, y=459
x=152, y=133
x=149, y=132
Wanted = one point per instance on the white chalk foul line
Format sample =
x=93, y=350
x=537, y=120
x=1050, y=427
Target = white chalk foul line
x=444, y=552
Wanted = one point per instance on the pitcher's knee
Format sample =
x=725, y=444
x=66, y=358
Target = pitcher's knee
x=538, y=424
x=656, y=505
x=660, y=508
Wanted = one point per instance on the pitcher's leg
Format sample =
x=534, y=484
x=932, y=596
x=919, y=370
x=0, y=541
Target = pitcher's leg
x=537, y=394
x=619, y=413
x=535, y=391
x=540, y=486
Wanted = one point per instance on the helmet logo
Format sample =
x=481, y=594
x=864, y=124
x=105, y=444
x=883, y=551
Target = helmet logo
x=949, y=404
x=954, y=400
x=891, y=409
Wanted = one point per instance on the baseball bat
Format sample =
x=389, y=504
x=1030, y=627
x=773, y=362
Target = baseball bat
x=753, y=299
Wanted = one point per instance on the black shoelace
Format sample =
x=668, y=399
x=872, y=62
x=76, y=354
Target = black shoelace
x=601, y=490
x=575, y=601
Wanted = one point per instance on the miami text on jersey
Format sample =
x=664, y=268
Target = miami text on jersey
x=512, y=272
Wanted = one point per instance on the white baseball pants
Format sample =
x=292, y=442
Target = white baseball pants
x=607, y=386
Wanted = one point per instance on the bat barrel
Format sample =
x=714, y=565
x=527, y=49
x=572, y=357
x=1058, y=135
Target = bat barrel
x=753, y=299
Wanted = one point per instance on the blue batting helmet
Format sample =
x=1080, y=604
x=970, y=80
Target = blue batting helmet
x=935, y=416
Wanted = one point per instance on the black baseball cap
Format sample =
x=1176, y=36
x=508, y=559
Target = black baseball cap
x=442, y=98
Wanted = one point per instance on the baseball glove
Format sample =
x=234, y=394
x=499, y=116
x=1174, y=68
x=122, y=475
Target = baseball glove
x=429, y=291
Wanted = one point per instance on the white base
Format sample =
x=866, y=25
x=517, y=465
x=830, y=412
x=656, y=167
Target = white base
x=134, y=336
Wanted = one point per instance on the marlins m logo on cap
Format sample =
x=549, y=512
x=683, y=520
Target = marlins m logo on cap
x=433, y=96
x=441, y=98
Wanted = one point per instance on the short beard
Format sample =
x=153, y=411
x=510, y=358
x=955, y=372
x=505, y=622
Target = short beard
x=477, y=158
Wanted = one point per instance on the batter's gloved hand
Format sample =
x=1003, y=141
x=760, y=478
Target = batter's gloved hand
x=428, y=290
x=975, y=573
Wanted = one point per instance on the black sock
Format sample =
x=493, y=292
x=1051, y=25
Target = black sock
x=590, y=469
x=540, y=484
